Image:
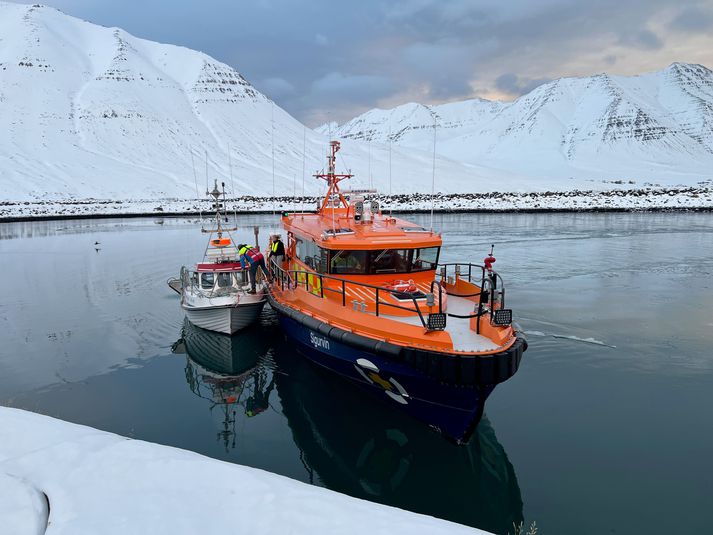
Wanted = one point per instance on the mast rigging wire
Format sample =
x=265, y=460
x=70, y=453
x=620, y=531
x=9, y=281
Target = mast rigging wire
x=195, y=180
x=433, y=177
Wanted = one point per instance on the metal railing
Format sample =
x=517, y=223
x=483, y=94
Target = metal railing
x=492, y=287
x=291, y=278
x=491, y=291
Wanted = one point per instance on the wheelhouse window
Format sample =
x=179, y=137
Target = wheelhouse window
x=207, y=280
x=312, y=255
x=224, y=279
x=425, y=259
x=349, y=262
x=383, y=261
x=389, y=261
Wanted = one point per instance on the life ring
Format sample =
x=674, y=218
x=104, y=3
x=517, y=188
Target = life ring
x=392, y=388
x=403, y=286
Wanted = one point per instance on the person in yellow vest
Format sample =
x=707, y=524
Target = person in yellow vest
x=277, y=251
x=252, y=258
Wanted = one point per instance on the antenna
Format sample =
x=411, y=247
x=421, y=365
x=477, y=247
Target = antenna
x=272, y=142
x=232, y=186
x=195, y=179
x=433, y=178
x=304, y=156
x=207, y=182
x=370, y=181
x=390, y=200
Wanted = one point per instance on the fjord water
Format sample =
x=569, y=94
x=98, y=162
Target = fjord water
x=606, y=428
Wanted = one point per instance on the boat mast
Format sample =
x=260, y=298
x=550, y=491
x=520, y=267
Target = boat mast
x=218, y=206
x=333, y=178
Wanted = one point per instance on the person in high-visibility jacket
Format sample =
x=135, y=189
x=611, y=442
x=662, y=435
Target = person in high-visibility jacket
x=254, y=259
x=277, y=251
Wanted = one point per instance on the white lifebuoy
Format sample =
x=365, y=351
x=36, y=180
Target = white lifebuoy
x=397, y=393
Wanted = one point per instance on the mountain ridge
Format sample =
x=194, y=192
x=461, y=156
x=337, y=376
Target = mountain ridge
x=663, y=118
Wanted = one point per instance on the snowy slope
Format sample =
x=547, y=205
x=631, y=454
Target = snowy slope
x=652, y=127
x=93, y=112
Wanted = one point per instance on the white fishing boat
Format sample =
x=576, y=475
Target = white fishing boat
x=215, y=293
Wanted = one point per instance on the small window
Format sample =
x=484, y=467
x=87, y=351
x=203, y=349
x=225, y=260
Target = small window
x=207, y=280
x=349, y=262
x=425, y=259
x=224, y=280
x=299, y=249
x=241, y=277
x=312, y=255
x=389, y=261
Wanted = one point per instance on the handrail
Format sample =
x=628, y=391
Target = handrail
x=293, y=274
x=489, y=278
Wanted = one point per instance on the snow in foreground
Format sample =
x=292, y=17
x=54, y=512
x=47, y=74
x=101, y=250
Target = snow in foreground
x=79, y=480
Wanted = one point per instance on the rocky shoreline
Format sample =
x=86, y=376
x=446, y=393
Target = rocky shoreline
x=688, y=198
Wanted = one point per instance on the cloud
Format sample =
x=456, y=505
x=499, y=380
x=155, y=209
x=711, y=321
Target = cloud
x=276, y=88
x=337, y=86
x=444, y=68
x=512, y=84
x=693, y=19
x=321, y=40
x=643, y=39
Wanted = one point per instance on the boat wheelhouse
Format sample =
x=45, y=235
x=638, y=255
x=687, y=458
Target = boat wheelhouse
x=366, y=296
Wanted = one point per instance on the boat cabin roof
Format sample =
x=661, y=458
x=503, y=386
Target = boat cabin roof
x=338, y=229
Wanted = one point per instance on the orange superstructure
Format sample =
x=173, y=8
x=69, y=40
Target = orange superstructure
x=365, y=292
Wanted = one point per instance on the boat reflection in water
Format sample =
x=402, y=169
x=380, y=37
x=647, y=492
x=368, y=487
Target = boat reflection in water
x=229, y=372
x=354, y=444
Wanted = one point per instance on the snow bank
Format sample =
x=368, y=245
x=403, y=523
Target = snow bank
x=98, y=482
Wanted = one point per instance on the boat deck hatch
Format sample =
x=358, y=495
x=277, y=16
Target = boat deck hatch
x=338, y=231
x=408, y=296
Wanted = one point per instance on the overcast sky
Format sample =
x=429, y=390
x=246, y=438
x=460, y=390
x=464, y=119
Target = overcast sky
x=331, y=60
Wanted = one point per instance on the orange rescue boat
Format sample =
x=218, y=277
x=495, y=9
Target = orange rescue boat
x=365, y=296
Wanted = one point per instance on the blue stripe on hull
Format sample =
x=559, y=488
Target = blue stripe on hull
x=453, y=410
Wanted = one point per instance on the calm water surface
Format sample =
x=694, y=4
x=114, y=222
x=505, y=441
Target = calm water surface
x=606, y=428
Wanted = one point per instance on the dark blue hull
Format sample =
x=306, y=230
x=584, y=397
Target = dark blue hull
x=453, y=410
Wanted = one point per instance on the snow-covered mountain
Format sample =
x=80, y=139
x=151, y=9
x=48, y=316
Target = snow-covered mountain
x=89, y=111
x=656, y=126
x=93, y=112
